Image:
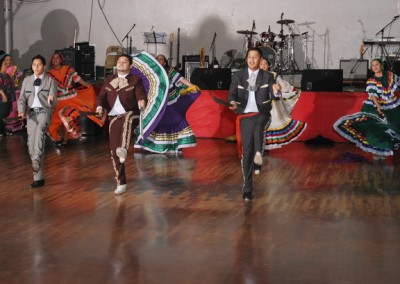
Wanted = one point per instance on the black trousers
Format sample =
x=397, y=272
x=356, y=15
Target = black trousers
x=253, y=140
x=5, y=109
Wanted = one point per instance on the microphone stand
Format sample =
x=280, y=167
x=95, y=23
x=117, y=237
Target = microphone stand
x=384, y=52
x=155, y=41
x=128, y=50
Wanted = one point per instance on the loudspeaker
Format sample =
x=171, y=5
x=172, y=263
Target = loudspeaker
x=82, y=60
x=190, y=62
x=322, y=80
x=69, y=56
x=212, y=79
x=354, y=69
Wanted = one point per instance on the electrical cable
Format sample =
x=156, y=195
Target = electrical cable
x=109, y=25
x=90, y=23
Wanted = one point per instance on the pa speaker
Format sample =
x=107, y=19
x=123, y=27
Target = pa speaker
x=354, y=69
x=322, y=80
x=212, y=79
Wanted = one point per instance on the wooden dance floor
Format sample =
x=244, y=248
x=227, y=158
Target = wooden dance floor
x=321, y=214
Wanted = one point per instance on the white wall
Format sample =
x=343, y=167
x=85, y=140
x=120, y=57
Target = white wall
x=337, y=32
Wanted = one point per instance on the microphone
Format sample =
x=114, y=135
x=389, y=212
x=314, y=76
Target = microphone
x=395, y=17
x=254, y=25
x=282, y=16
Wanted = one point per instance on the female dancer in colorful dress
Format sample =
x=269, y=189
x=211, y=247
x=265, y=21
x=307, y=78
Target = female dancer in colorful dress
x=173, y=133
x=16, y=76
x=376, y=129
x=71, y=102
x=283, y=128
x=7, y=95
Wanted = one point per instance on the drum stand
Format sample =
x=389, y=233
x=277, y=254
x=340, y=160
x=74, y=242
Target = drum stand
x=291, y=61
x=288, y=63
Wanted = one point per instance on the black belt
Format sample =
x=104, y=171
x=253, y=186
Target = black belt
x=36, y=109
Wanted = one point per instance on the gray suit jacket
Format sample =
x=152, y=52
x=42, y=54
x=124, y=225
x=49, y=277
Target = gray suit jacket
x=48, y=86
x=238, y=90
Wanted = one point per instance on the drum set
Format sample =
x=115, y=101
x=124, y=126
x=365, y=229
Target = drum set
x=278, y=49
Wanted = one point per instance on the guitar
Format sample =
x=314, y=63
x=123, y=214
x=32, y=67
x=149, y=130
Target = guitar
x=178, y=65
x=171, y=41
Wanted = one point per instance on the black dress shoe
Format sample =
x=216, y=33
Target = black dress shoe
x=37, y=183
x=247, y=196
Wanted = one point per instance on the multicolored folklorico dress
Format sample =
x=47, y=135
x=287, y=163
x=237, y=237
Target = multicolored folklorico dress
x=70, y=103
x=172, y=131
x=369, y=131
x=16, y=76
x=283, y=128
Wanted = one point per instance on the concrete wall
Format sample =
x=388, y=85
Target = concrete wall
x=336, y=29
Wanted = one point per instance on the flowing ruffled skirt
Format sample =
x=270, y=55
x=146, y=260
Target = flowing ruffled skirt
x=372, y=133
x=283, y=129
x=173, y=132
x=68, y=111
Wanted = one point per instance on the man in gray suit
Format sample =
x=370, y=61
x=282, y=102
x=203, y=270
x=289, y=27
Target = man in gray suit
x=250, y=96
x=36, y=103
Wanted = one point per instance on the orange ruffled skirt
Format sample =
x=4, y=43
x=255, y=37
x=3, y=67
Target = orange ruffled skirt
x=67, y=113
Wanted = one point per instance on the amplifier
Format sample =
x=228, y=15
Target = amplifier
x=189, y=67
x=190, y=62
x=354, y=69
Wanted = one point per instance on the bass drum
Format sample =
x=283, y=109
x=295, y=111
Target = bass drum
x=270, y=54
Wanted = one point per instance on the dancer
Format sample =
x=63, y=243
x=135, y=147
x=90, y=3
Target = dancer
x=7, y=94
x=122, y=96
x=283, y=129
x=250, y=97
x=64, y=124
x=173, y=133
x=376, y=128
x=16, y=76
x=37, y=101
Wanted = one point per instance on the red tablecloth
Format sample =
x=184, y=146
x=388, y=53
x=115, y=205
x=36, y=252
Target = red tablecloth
x=209, y=119
x=321, y=109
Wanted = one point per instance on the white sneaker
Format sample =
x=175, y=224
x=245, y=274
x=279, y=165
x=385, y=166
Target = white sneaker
x=121, y=154
x=258, y=160
x=120, y=189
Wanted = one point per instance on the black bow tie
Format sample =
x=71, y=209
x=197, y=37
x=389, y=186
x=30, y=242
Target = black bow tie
x=37, y=82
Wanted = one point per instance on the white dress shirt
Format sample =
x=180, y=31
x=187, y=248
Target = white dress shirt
x=251, y=102
x=118, y=109
x=36, y=101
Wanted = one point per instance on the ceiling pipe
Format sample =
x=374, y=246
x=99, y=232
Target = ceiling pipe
x=7, y=25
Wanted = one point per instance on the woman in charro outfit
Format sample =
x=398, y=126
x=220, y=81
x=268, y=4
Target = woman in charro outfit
x=283, y=129
x=7, y=94
x=173, y=133
x=71, y=102
x=16, y=75
x=376, y=129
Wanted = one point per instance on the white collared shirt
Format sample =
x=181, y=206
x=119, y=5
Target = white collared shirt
x=36, y=101
x=251, y=102
x=118, y=108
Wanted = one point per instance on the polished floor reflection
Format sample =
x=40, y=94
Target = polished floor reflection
x=321, y=214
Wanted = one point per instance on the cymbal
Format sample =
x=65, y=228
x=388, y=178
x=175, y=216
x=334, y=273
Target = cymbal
x=306, y=23
x=246, y=32
x=285, y=22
